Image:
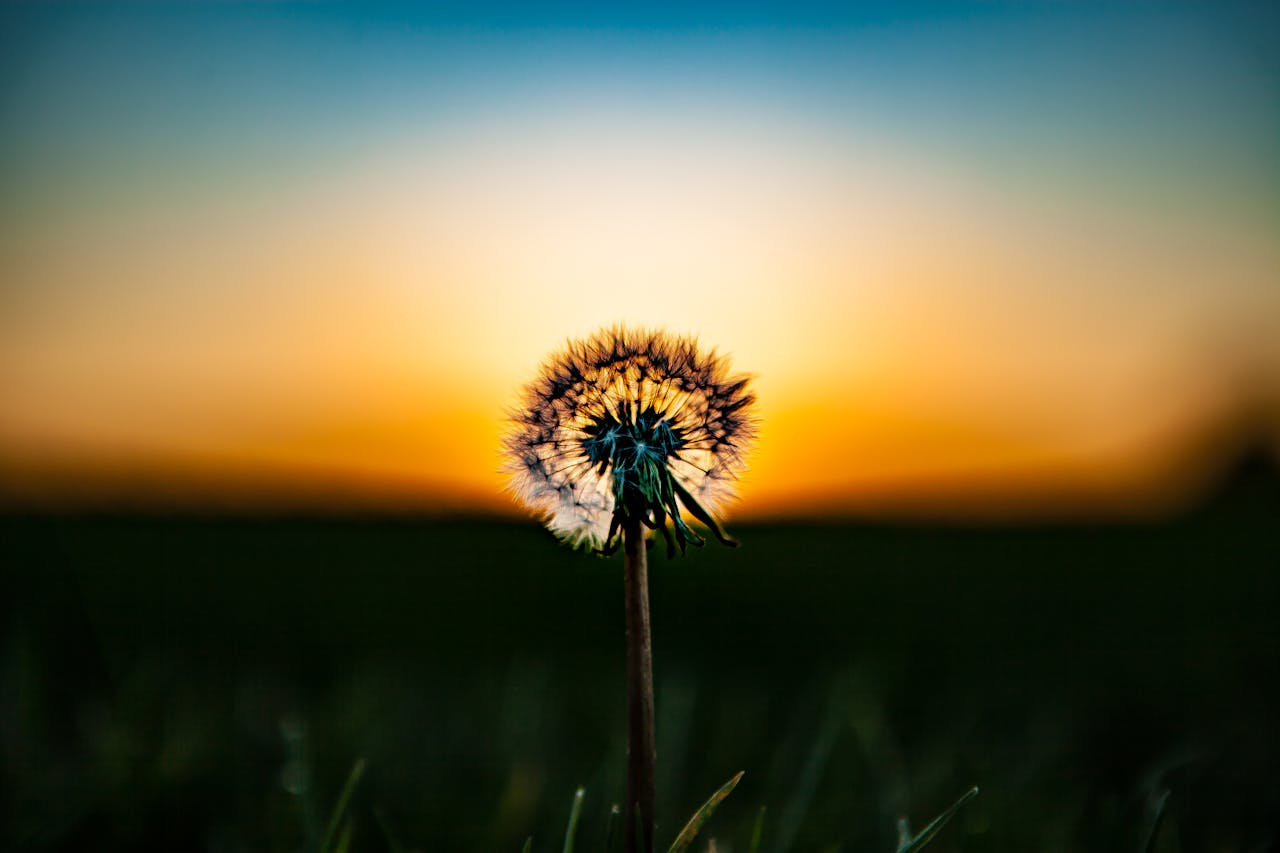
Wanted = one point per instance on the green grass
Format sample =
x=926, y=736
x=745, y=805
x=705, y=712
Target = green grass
x=908, y=843
x=209, y=684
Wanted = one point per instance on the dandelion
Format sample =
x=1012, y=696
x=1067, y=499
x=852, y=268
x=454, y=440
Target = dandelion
x=630, y=425
x=623, y=431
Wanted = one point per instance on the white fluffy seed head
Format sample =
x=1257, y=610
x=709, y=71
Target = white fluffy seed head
x=616, y=374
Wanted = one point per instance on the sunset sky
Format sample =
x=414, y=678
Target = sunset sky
x=991, y=257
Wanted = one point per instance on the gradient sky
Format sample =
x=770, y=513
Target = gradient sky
x=993, y=256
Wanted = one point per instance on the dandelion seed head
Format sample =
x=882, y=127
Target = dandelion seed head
x=629, y=424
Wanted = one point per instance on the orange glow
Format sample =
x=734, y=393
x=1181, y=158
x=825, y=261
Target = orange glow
x=918, y=337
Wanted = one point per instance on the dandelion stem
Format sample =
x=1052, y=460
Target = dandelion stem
x=641, y=749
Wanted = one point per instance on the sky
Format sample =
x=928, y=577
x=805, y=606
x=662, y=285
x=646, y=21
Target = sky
x=980, y=258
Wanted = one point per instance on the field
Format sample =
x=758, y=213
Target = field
x=207, y=683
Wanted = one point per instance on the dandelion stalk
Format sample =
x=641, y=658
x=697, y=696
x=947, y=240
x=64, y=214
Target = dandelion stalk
x=641, y=743
x=621, y=433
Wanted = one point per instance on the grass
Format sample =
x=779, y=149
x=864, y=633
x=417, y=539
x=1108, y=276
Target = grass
x=205, y=684
x=907, y=844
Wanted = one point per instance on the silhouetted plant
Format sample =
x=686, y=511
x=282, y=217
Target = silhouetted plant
x=623, y=431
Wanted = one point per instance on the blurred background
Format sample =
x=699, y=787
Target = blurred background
x=1006, y=276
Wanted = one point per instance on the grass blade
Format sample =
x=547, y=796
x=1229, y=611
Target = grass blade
x=926, y=835
x=392, y=840
x=340, y=808
x=787, y=826
x=757, y=832
x=1155, y=823
x=685, y=838
x=528, y=845
x=904, y=832
x=575, y=812
x=344, y=840
x=614, y=814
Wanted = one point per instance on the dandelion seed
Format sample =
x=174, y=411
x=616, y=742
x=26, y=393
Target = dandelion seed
x=629, y=425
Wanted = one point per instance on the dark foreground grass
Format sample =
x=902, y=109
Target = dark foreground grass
x=208, y=684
